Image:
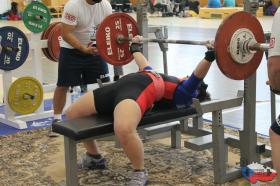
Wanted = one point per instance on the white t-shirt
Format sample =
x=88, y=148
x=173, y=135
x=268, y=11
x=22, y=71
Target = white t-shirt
x=275, y=36
x=85, y=17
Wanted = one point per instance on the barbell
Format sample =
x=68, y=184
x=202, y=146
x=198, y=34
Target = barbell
x=238, y=43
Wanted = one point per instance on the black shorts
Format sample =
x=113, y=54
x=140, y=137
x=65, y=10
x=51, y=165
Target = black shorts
x=76, y=68
x=136, y=86
x=275, y=127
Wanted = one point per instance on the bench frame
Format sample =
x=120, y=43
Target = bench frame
x=221, y=175
x=70, y=149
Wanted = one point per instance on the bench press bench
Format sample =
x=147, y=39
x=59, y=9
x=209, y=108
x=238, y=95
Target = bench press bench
x=96, y=127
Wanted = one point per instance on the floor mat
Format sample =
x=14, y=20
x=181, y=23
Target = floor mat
x=31, y=158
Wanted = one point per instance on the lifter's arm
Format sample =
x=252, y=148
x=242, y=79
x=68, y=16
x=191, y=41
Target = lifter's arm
x=140, y=60
x=136, y=50
x=204, y=65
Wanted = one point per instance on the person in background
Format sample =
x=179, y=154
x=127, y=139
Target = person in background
x=79, y=60
x=273, y=68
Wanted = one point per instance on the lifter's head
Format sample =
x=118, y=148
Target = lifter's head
x=201, y=92
x=203, y=95
x=183, y=98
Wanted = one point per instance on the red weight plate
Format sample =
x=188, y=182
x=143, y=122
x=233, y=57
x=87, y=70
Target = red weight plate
x=106, y=38
x=48, y=55
x=44, y=36
x=224, y=34
x=48, y=50
x=47, y=35
x=53, y=42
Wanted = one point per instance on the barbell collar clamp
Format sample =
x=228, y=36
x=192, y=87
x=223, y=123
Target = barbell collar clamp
x=245, y=45
x=251, y=46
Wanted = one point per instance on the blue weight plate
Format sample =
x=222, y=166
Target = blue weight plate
x=14, y=48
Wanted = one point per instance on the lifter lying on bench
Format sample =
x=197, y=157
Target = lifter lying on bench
x=129, y=98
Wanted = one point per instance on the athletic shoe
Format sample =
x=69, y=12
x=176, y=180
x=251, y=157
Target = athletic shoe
x=89, y=162
x=138, y=178
x=50, y=132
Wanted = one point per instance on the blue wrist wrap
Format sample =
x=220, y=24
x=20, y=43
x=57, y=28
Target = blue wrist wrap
x=186, y=91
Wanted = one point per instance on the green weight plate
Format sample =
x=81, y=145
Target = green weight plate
x=36, y=17
x=25, y=95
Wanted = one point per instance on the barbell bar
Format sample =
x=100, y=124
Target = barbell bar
x=121, y=39
x=246, y=45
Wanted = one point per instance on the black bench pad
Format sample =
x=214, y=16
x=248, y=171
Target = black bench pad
x=97, y=125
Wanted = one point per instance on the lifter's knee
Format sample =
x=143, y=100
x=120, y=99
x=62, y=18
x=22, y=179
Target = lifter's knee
x=73, y=111
x=125, y=134
x=70, y=113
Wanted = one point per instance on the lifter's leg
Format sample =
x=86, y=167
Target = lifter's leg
x=84, y=106
x=127, y=115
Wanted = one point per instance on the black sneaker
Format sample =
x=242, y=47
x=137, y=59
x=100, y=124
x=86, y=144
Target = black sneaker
x=88, y=162
x=50, y=132
x=116, y=78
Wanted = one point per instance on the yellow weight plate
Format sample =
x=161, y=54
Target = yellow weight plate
x=25, y=95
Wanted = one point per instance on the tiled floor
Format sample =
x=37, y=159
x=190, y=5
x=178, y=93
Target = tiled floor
x=181, y=61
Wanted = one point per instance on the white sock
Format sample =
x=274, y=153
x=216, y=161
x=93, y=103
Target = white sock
x=57, y=116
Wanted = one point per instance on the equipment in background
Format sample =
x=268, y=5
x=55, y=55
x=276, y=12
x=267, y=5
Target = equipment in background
x=53, y=36
x=214, y=4
x=14, y=48
x=25, y=95
x=36, y=17
x=121, y=6
x=229, y=3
